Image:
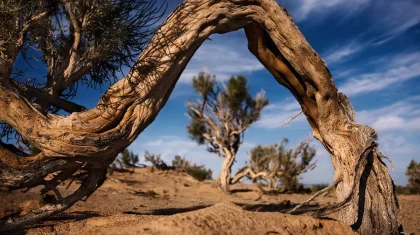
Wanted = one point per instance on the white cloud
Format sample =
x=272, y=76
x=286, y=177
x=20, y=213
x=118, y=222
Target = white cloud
x=387, y=20
x=398, y=127
x=338, y=54
x=169, y=146
x=276, y=115
x=224, y=57
x=401, y=59
x=399, y=17
x=392, y=70
x=305, y=9
x=401, y=116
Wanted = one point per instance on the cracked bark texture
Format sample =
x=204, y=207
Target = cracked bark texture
x=366, y=193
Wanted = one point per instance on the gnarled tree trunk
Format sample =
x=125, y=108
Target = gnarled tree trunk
x=366, y=194
x=225, y=173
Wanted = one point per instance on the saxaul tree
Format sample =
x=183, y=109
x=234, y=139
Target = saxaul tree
x=49, y=49
x=91, y=139
x=413, y=175
x=220, y=117
x=278, y=166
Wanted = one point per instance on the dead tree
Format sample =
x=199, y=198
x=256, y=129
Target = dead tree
x=220, y=117
x=278, y=166
x=91, y=139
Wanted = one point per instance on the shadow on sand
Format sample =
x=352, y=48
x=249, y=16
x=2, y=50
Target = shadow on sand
x=65, y=217
x=282, y=207
x=168, y=211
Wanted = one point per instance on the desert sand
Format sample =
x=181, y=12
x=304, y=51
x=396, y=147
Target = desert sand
x=169, y=202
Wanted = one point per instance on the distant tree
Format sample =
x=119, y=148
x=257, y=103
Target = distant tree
x=125, y=162
x=220, y=117
x=277, y=165
x=198, y=172
x=413, y=174
x=156, y=161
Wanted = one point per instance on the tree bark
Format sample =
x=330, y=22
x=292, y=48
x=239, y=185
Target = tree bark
x=366, y=193
x=225, y=174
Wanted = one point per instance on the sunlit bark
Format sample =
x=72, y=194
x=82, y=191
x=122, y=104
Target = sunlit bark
x=366, y=195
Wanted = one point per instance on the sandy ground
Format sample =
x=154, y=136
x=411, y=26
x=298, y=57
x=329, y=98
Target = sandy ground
x=174, y=203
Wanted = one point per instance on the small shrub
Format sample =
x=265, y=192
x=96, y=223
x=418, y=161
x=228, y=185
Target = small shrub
x=413, y=175
x=199, y=173
x=157, y=161
x=125, y=162
x=402, y=190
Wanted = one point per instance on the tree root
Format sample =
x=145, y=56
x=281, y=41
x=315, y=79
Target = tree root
x=91, y=174
x=95, y=178
x=317, y=194
x=359, y=169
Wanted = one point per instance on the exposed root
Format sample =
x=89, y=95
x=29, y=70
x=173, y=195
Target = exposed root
x=95, y=178
x=359, y=168
x=317, y=194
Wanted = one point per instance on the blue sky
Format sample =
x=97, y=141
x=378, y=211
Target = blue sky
x=373, y=51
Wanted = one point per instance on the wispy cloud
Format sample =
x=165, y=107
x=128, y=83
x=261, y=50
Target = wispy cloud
x=387, y=20
x=304, y=9
x=223, y=57
x=400, y=116
x=276, y=115
x=390, y=71
x=399, y=17
x=169, y=146
x=338, y=54
x=398, y=126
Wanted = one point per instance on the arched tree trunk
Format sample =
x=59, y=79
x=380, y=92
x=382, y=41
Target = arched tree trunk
x=366, y=193
x=226, y=171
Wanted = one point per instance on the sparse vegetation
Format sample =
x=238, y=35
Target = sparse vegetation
x=277, y=167
x=199, y=173
x=157, y=162
x=413, y=174
x=125, y=162
x=220, y=116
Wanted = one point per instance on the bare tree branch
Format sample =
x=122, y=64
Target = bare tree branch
x=30, y=92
